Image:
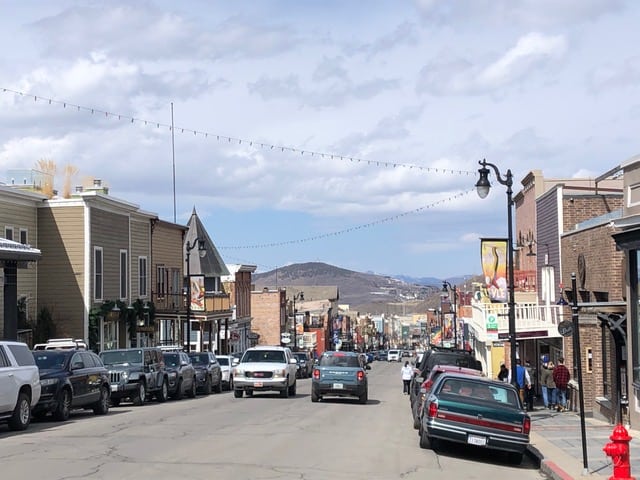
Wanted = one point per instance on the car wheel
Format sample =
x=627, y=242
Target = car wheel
x=163, y=394
x=207, y=385
x=363, y=398
x=178, y=393
x=192, y=391
x=115, y=402
x=101, y=407
x=314, y=396
x=62, y=411
x=238, y=393
x=218, y=387
x=515, y=458
x=284, y=393
x=425, y=441
x=293, y=388
x=416, y=422
x=141, y=395
x=21, y=414
x=249, y=393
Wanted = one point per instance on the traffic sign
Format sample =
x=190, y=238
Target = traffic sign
x=565, y=328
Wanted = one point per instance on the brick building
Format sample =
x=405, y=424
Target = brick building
x=268, y=310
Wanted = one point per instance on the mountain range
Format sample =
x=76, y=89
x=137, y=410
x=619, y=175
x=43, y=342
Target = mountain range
x=363, y=292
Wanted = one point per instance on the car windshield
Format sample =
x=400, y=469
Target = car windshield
x=171, y=359
x=124, y=357
x=272, y=356
x=199, y=358
x=493, y=393
x=223, y=361
x=301, y=357
x=50, y=360
x=339, y=361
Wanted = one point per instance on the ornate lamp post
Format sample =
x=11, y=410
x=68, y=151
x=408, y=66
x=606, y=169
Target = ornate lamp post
x=202, y=250
x=446, y=286
x=483, y=186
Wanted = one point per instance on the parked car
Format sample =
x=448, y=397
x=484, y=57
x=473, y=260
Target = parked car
x=225, y=362
x=382, y=355
x=393, y=356
x=136, y=374
x=339, y=374
x=19, y=384
x=181, y=373
x=71, y=379
x=305, y=364
x=440, y=356
x=476, y=411
x=208, y=372
x=265, y=368
x=418, y=403
x=61, y=343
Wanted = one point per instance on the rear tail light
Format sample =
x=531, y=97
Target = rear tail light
x=360, y=375
x=427, y=384
x=526, y=426
x=316, y=373
x=433, y=409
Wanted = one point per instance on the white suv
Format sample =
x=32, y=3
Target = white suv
x=265, y=369
x=394, y=355
x=19, y=384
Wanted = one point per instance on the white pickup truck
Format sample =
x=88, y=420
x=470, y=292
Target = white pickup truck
x=265, y=368
x=19, y=384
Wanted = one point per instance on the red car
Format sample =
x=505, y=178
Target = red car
x=436, y=371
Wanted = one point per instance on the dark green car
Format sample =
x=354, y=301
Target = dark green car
x=475, y=411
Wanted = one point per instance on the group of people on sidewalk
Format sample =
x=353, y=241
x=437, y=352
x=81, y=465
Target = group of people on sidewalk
x=554, y=380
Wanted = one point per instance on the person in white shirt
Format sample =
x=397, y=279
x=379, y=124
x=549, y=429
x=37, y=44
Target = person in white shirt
x=407, y=375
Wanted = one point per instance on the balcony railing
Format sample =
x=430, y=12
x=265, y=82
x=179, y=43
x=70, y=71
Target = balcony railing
x=530, y=317
x=177, y=302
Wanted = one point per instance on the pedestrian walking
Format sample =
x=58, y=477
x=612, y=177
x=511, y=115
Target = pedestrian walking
x=530, y=393
x=523, y=381
x=407, y=375
x=503, y=374
x=548, y=385
x=561, y=377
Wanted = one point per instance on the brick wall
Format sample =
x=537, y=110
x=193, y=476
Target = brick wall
x=578, y=208
x=267, y=308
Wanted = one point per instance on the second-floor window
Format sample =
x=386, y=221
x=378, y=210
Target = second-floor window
x=124, y=275
x=161, y=280
x=23, y=236
x=8, y=233
x=142, y=276
x=97, y=273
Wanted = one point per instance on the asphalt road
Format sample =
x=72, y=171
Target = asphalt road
x=263, y=437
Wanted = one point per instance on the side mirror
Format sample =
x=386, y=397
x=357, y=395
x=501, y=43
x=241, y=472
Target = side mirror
x=293, y=360
x=235, y=362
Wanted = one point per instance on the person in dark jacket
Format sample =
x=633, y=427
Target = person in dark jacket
x=503, y=374
x=561, y=377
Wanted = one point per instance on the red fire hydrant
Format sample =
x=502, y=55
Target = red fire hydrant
x=618, y=450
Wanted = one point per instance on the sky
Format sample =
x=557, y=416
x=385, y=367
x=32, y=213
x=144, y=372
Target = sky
x=344, y=132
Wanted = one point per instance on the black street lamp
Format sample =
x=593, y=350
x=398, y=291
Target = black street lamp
x=202, y=250
x=297, y=296
x=483, y=186
x=446, y=286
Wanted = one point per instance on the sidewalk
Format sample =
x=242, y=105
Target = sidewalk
x=556, y=440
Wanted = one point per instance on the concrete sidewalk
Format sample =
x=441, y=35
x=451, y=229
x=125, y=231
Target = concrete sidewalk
x=556, y=440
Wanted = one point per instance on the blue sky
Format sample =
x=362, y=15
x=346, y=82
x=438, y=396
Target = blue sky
x=397, y=100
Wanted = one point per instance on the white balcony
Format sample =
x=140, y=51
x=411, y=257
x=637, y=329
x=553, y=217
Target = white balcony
x=532, y=320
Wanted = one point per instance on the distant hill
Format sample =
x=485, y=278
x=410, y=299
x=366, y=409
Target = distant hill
x=364, y=292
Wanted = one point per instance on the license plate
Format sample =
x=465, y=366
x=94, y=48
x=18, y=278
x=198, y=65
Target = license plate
x=477, y=440
x=257, y=384
x=114, y=388
x=338, y=386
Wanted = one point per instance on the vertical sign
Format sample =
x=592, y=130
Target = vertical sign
x=494, y=268
x=197, y=293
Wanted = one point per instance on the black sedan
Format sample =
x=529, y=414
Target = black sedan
x=208, y=372
x=71, y=379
